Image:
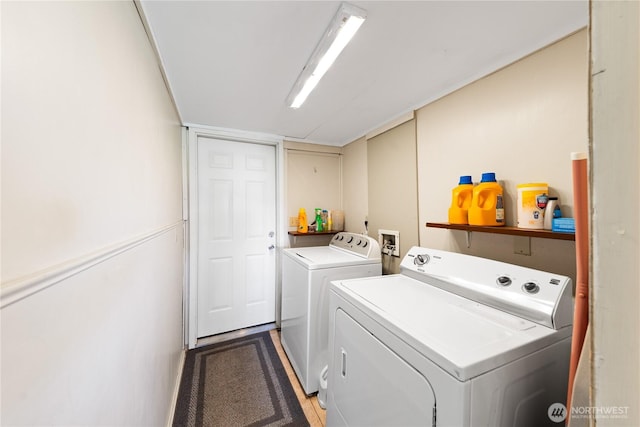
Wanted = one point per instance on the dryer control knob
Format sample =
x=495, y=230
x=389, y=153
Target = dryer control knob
x=421, y=259
x=531, y=287
x=503, y=281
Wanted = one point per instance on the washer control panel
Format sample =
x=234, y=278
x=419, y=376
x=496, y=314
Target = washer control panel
x=360, y=244
x=539, y=296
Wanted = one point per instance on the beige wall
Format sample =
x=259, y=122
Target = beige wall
x=615, y=225
x=356, y=197
x=522, y=123
x=313, y=177
x=92, y=231
x=81, y=168
x=393, y=203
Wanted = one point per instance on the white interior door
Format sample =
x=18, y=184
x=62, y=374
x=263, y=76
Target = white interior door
x=236, y=267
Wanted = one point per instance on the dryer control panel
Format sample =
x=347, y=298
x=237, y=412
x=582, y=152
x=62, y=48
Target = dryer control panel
x=359, y=244
x=539, y=296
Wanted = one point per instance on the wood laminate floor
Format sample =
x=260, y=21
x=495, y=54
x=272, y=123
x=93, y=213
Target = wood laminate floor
x=315, y=414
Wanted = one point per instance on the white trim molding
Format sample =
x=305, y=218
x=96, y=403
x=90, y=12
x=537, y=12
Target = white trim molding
x=193, y=133
x=233, y=134
x=23, y=287
x=390, y=125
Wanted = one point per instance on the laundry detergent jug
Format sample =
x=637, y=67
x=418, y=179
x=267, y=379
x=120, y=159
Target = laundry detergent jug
x=532, y=201
x=461, y=201
x=303, y=226
x=487, y=204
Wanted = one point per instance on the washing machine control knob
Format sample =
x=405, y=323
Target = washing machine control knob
x=503, y=281
x=350, y=239
x=421, y=259
x=531, y=287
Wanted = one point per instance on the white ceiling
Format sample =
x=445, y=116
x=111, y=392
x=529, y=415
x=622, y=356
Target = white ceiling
x=231, y=64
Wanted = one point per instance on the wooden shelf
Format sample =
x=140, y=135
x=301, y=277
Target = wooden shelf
x=307, y=238
x=513, y=231
x=311, y=233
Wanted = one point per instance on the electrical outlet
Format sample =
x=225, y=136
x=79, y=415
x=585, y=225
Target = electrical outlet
x=293, y=221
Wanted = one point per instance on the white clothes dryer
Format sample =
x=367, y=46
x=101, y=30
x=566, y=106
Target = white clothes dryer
x=453, y=340
x=306, y=275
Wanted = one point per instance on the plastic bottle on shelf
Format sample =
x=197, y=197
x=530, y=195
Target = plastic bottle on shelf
x=551, y=211
x=487, y=204
x=319, y=226
x=531, y=203
x=461, y=197
x=303, y=226
x=329, y=221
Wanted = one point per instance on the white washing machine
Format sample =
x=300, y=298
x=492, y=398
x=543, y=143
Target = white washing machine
x=453, y=340
x=306, y=275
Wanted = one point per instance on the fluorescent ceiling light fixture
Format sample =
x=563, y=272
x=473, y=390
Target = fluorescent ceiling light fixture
x=343, y=27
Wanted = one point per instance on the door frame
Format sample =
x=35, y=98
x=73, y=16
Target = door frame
x=190, y=205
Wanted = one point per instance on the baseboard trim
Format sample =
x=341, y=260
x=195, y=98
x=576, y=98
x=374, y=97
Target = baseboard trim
x=21, y=288
x=176, y=389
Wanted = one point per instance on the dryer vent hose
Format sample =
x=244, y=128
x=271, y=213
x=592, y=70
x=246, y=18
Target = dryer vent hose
x=581, y=309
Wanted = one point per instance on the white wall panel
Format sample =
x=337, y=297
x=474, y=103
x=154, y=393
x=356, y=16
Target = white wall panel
x=92, y=234
x=99, y=348
x=615, y=225
x=90, y=138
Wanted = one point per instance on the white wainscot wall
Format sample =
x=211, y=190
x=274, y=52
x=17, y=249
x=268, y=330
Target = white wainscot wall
x=100, y=347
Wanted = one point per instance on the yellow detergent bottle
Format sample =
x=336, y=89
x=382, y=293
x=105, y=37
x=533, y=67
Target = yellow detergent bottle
x=487, y=204
x=461, y=201
x=303, y=226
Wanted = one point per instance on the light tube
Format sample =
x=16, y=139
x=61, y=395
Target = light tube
x=343, y=27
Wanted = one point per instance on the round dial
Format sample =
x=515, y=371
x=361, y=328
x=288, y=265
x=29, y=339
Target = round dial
x=531, y=287
x=421, y=259
x=503, y=281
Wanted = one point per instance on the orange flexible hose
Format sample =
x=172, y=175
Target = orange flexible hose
x=581, y=307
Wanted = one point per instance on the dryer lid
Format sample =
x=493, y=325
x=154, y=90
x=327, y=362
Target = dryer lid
x=462, y=336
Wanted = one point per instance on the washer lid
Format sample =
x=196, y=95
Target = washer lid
x=463, y=337
x=317, y=257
